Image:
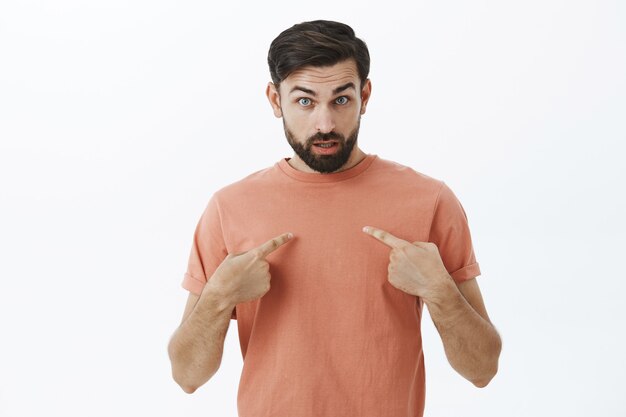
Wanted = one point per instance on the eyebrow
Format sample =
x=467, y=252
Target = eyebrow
x=335, y=91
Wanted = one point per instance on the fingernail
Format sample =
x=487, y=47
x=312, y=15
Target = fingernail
x=366, y=229
x=289, y=235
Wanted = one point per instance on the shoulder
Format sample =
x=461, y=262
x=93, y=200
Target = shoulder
x=392, y=172
x=248, y=186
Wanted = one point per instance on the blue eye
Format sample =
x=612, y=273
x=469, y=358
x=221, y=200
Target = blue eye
x=304, y=101
x=343, y=99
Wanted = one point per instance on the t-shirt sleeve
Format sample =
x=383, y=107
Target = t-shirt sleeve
x=208, y=250
x=450, y=232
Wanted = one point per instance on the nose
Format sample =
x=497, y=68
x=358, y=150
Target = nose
x=324, y=122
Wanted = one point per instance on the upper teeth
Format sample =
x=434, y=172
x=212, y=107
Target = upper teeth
x=325, y=145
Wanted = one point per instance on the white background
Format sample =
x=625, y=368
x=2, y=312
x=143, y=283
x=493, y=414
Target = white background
x=119, y=119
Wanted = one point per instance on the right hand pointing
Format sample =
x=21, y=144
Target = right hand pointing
x=246, y=276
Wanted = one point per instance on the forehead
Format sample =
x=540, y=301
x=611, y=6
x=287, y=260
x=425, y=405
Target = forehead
x=322, y=79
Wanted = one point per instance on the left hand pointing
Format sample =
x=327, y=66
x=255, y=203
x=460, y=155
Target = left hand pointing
x=415, y=268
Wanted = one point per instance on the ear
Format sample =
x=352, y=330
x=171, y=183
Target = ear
x=274, y=98
x=365, y=94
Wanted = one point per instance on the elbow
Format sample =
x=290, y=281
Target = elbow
x=179, y=375
x=189, y=389
x=484, y=379
x=482, y=383
x=185, y=382
x=187, y=386
x=491, y=368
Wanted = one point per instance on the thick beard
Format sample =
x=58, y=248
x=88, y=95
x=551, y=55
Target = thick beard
x=324, y=163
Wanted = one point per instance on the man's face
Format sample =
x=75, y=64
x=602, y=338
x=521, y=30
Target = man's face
x=321, y=105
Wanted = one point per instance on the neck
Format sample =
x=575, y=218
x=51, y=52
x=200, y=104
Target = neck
x=356, y=156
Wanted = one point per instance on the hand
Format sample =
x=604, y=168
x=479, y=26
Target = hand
x=415, y=268
x=245, y=276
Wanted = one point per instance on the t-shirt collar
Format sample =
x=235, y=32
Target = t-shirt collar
x=330, y=177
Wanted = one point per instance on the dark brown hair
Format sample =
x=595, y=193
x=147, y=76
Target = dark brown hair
x=316, y=43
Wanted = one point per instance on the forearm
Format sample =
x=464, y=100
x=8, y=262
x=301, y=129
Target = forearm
x=196, y=347
x=471, y=343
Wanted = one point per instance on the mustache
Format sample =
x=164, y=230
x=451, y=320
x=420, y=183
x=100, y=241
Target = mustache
x=326, y=136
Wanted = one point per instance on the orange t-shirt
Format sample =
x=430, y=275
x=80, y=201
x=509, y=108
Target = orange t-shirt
x=332, y=337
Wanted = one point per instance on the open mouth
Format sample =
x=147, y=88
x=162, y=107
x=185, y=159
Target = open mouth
x=326, y=145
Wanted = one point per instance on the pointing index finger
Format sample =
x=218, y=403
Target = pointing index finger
x=385, y=237
x=273, y=244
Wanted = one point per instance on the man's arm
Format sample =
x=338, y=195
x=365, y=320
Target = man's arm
x=471, y=342
x=196, y=347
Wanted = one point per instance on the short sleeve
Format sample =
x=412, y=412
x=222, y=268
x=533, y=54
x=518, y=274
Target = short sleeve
x=450, y=232
x=208, y=250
